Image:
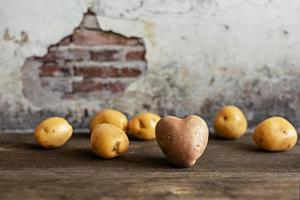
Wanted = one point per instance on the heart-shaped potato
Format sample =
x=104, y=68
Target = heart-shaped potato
x=182, y=140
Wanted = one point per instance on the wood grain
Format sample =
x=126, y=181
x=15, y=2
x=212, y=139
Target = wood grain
x=227, y=170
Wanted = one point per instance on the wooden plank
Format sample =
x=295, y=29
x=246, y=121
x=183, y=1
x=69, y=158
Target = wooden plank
x=227, y=170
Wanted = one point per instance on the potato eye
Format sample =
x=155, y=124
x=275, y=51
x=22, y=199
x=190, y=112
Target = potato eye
x=142, y=124
x=116, y=147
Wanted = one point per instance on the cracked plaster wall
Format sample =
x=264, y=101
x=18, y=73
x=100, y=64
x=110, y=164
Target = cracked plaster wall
x=201, y=55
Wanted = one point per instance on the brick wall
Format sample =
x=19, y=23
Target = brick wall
x=89, y=63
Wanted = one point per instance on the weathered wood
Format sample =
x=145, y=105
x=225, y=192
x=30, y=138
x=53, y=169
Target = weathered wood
x=227, y=170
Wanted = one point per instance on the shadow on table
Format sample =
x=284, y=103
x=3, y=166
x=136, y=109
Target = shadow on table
x=254, y=148
x=137, y=160
x=213, y=136
x=154, y=162
x=241, y=144
x=30, y=146
x=248, y=148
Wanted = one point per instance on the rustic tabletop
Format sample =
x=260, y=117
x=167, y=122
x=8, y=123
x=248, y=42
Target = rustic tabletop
x=227, y=170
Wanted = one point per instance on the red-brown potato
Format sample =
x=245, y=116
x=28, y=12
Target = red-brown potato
x=182, y=140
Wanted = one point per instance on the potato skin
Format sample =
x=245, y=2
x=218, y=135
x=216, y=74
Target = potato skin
x=230, y=122
x=142, y=126
x=53, y=132
x=110, y=116
x=109, y=141
x=275, y=134
x=182, y=141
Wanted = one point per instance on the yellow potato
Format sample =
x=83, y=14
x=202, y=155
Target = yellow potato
x=109, y=141
x=53, y=132
x=142, y=126
x=230, y=123
x=275, y=134
x=110, y=116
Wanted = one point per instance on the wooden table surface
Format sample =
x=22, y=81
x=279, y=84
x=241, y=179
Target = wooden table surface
x=227, y=170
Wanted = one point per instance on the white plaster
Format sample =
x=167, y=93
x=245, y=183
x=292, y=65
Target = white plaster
x=44, y=22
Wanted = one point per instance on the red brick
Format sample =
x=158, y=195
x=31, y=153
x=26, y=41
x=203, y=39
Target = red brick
x=54, y=70
x=104, y=72
x=130, y=72
x=94, y=37
x=49, y=57
x=75, y=54
x=135, y=55
x=90, y=86
x=105, y=55
x=65, y=41
x=67, y=55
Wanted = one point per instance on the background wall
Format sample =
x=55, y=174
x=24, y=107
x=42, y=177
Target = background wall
x=177, y=57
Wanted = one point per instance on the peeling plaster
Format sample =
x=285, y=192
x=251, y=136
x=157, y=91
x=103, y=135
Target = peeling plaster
x=23, y=37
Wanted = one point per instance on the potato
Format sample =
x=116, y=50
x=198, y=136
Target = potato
x=53, y=132
x=142, y=126
x=109, y=141
x=275, y=134
x=230, y=123
x=110, y=116
x=182, y=140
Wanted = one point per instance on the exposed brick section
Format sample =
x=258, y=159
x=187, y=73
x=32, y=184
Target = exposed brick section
x=135, y=55
x=105, y=72
x=67, y=55
x=87, y=62
x=106, y=55
x=94, y=37
x=92, y=86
